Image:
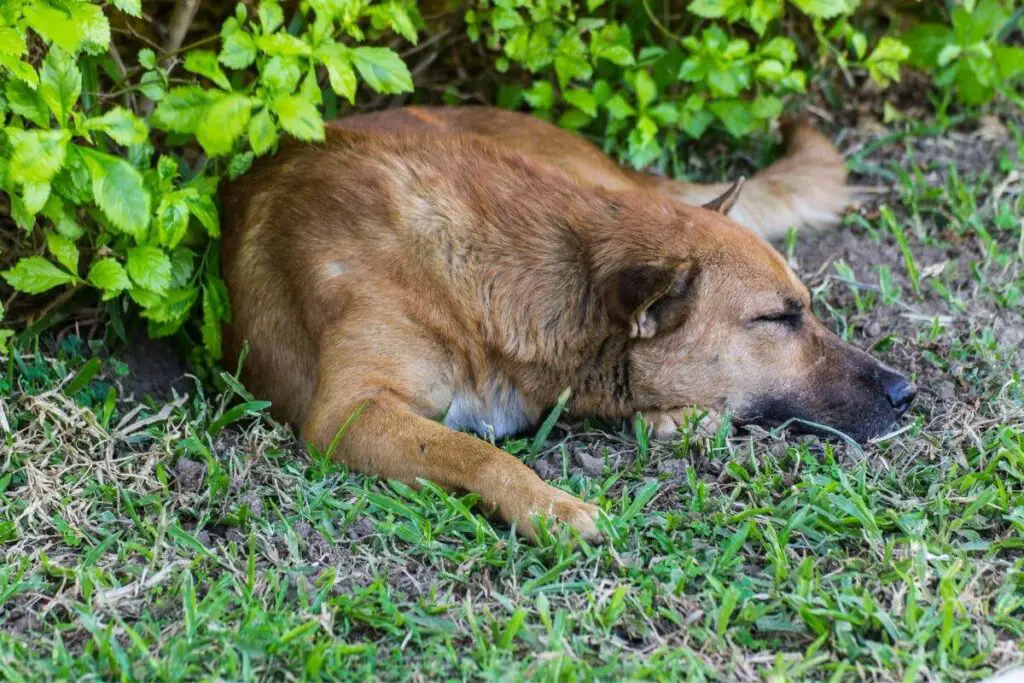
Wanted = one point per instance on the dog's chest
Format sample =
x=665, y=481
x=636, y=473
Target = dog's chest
x=500, y=410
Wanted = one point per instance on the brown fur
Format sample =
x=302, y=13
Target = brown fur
x=806, y=188
x=393, y=277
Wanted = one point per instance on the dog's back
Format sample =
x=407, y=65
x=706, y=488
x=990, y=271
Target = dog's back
x=806, y=188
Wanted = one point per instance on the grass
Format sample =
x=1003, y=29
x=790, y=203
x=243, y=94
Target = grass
x=194, y=539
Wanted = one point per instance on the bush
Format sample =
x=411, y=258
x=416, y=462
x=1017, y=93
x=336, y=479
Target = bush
x=723, y=62
x=111, y=166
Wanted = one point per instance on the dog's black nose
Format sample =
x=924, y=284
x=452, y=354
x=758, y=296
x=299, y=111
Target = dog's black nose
x=900, y=392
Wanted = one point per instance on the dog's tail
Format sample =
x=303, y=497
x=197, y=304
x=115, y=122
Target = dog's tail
x=806, y=188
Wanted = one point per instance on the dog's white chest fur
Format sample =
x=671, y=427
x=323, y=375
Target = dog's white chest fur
x=501, y=411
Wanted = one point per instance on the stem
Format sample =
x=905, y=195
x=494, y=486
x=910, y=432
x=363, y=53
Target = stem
x=657, y=22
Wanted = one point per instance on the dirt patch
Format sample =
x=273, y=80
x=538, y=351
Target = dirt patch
x=155, y=369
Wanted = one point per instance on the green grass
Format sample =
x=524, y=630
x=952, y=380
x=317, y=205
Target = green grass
x=194, y=539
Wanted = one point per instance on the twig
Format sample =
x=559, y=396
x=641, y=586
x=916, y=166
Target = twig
x=126, y=96
x=114, y=595
x=181, y=21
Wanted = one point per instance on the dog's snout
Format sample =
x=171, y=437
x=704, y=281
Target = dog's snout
x=900, y=392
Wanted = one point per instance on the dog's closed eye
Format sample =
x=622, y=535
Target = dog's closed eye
x=791, y=319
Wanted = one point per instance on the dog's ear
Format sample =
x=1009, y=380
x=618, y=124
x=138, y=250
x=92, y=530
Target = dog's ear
x=651, y=299
x=724, y=202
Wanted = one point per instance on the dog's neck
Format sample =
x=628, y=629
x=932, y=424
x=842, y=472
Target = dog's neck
x=564, y=331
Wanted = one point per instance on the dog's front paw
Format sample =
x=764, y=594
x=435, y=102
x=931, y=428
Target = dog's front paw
x=556, y=505
x=665, y=426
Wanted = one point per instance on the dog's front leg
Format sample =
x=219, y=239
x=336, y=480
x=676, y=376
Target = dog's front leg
x=386, y=437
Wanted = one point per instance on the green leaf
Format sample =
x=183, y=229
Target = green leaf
x=400, y=21
x=299, y=117
x=108, y=275
x=119, y=191
x=205, y=210
x=204, y=63
x=132, y=7
x=171, y=219
x=771, y=70
x=281, y=74
x=77, y=26
x=1009, y=61
x=382, y=69
x=20, y=70
x=60, y=83
x=240, y=164
x=762, y=12
x=27, y=102
x=665, y=114
x=172, y=310
x=821, y=9
x=883, y=63
x=262, y=132
x=620, y=55
x=782, y=49
x=310, y=89
x=35, y=196
x=12, y=42
x=74, y=182
x=224, y=122
x=211, y=325
x=646, y=90
x=239, y=50
x=335, y=57
x=572, y=67
x=541, y=95
x=926, y=41
x=147, y=58
x=182, y=266
x=35, y=274
x=709, y=9
x=62, y=219
x=948, y=54
x=582, y=100
x=123, y=127
x=859, y=42
x=735, y=115
x=574, y=119
x=64, y=250
x=618, y=108
x=767, y=107
x=153, y=86
x=37, y=154
x=182, y=109
x=283, y=45
x=271, y=15
x=150, y=267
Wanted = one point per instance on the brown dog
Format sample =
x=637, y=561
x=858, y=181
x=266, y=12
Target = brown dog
x=396, y=287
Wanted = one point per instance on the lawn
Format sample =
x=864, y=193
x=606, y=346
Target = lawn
x=151, y=530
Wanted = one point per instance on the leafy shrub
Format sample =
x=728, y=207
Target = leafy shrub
x=86, y=174
x=966, y=55
x=111, y=168
x=645, y=84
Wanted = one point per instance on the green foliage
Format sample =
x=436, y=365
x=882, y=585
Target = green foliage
x=643, y=85
x=966, y=55
x=82, y=171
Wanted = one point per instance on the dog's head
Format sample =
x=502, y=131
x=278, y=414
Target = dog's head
x=718, y=319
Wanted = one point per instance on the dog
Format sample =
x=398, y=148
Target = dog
x=414, y=276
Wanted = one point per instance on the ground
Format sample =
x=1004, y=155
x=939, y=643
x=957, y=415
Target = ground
x=183, y=536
